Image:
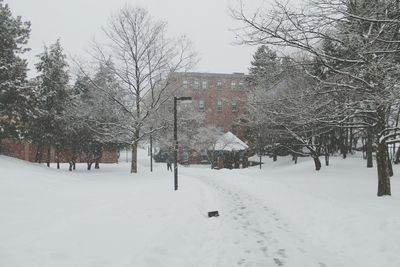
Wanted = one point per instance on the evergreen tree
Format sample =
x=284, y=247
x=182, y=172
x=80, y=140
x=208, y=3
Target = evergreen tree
x=53, y=96
x=265, y=67
x=82, y=85
x=15, y=96
x=94, y=121
x=268, y=74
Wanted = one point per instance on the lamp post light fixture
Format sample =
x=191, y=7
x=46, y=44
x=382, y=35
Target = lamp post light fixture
x=183, y=98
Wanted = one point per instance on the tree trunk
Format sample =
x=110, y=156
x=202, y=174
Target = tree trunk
x=39, y=153
x=275, y=156
x=90, y=158
x=369, y=149
x=317, y=163
x=58, y=156
x=363, y=148
x=383, y=171
x=342, y=143
x=326, y=159
x=351, y=141
x=389, y=162
x=98, y=155
x=134, y=157
x=326, y=149
x=346, y=143
x=48, y=155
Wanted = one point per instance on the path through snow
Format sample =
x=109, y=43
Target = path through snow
x=252, y=231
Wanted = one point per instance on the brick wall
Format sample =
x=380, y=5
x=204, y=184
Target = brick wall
x=109, y=157
x=211, y=88
x=27, y=151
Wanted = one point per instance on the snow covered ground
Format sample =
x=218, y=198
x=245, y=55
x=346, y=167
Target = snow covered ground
x=282, y=215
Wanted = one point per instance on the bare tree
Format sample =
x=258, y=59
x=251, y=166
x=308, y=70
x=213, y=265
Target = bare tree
x=189, y=124
x=356, y=45
x=205, y=142
x=290, y=115
x=143, y=59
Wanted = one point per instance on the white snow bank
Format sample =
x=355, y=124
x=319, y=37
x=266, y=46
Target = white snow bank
x=284, y=214
x=336, y=209
x=106, y=217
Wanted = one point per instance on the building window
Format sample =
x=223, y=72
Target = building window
x=241, y=85
x=185, y=84
x=219, y=84
x=234, y=106
x=233, y=85
x=202, y=105
x=219, y=105
x=196, y=84
x=204, y=85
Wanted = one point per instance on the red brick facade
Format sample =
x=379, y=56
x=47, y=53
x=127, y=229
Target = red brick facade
x=221, y=97
x=27, y=151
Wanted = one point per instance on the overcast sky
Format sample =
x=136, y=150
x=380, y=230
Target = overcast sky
x=206, y=22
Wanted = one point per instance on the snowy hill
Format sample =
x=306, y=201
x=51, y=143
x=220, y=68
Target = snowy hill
x=284, y=214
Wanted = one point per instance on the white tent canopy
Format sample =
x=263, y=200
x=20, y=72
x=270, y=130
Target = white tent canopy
x=230, y=142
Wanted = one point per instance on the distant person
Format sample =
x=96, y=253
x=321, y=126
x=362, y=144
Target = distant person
x=169, y=164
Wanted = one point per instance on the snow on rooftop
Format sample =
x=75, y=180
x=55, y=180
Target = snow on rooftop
x=230, y=142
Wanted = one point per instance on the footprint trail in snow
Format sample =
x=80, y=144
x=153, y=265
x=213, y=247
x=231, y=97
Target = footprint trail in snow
x=254, y=232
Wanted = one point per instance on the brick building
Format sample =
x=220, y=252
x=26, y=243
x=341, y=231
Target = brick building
x=27, y=151
x=221, y=97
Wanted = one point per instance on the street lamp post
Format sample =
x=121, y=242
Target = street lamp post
x=151, y=149
x=176, y=140
x=260, y=145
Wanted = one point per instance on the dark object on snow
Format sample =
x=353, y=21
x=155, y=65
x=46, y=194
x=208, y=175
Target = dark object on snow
x=213, y=214
x=169, y=166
